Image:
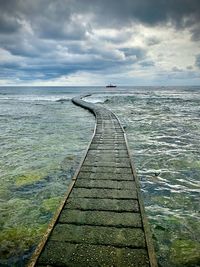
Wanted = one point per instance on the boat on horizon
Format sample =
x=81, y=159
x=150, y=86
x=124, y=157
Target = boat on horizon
x=111, y=86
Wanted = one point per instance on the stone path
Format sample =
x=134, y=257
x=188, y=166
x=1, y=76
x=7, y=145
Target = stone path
x=102, y=221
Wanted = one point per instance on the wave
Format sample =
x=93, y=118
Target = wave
x=62, y=100
x=95, y=100
x=36, y=98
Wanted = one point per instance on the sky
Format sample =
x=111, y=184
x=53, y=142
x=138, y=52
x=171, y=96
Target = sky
x=96, y=42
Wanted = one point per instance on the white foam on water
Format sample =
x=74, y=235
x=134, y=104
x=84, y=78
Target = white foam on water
x=33, y=98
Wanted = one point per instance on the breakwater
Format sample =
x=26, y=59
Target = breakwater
x=101, y=221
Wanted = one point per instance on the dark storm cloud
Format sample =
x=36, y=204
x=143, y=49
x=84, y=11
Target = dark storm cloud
x=8, y=24
x=137, y=52
x=175, y=69
x=112, y=12
x=71, y=31
x=197, y=62
x=50, y=17
x=52, y=65
x=152, y=41
x=25, y=45
x=147, y=63
x=189, y=67
x=196, y=32
x=53, y=38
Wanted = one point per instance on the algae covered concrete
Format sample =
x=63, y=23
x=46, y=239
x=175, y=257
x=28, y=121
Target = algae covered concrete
x=102, y=222
x=101, y=218
x=120, y=185
x=91, y=256
x=121, y=205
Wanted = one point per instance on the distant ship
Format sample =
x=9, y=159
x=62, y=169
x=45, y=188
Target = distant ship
x=111, y=86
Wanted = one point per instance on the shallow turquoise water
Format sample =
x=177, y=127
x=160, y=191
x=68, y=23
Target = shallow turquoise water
x=43, y=136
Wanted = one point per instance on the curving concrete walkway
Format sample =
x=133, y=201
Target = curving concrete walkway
x=101, y=222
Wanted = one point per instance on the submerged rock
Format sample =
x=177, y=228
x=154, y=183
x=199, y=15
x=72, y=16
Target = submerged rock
x=14, y=241
x=62, y=100
x=26, y=179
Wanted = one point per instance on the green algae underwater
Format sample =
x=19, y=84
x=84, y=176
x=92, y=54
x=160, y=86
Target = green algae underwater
x=163, y=129
x=42, y=142
x=43, y=137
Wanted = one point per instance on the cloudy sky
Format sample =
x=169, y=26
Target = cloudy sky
x=94, y=42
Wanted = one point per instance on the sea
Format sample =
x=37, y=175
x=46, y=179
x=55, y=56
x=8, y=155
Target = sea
x=43, y=137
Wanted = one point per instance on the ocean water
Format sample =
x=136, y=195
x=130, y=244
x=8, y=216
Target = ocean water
x=43, y=137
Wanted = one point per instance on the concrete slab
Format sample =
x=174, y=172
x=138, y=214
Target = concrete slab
x=106, y=170
x=122, y=205
x=113, y=153
x=106, y=176
x=94, y=183
x=76, y=255
x=103, y=193
x=108, y=147
x=101, y=218
x=99, y=235
x=97, y=163
x=111, y=158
